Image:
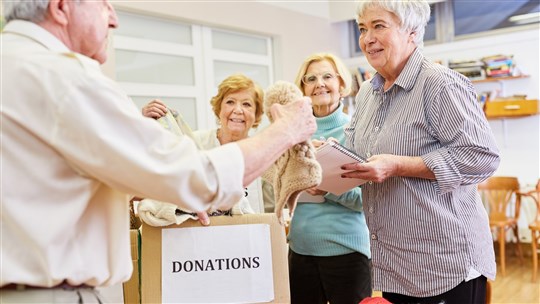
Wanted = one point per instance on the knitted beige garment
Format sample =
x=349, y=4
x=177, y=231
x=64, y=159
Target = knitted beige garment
x=297, y=169
x=159, y=214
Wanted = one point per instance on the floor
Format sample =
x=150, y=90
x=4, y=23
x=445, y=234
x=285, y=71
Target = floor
x=516, y=287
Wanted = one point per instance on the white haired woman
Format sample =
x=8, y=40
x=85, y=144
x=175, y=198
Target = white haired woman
x=428, y=145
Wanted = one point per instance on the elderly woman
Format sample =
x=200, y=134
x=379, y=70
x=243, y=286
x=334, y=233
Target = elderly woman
x=428, y=146
x=238, y=107
x=328, y=238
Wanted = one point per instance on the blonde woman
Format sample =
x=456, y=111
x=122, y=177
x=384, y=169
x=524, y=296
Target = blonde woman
x=329, y=256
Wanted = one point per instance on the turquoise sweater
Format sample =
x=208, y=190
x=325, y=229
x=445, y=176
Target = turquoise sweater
x=337, y=226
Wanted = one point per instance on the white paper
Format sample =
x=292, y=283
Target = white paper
x=217, y=264
x=331, y=156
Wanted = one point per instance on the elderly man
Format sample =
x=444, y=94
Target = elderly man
x=75, y=148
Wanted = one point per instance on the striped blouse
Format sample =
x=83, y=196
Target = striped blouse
x=426, y=235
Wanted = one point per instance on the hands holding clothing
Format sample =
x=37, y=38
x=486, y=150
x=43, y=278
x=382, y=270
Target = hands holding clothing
x=155, y=109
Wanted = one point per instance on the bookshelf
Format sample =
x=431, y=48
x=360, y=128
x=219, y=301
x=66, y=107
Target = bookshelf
x=497, y=79
x=500, y=108
x=505, y=108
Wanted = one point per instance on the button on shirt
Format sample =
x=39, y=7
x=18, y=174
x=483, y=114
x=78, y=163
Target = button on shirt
x=73, y=147
x=426, y=234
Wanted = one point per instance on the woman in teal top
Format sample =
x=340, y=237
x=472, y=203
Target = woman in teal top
x=329, y=254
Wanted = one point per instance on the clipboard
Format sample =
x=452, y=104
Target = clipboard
x=331, y=156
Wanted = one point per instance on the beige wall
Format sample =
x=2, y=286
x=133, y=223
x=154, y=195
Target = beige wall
x=295, y=35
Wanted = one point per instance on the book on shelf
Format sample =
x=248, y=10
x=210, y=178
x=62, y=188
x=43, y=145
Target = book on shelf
x=504, y=72
x=331, y=156
x=473, y=69
x=453, y=64
x=472, y=73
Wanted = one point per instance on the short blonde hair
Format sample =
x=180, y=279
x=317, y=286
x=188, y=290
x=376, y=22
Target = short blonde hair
x=345, y=78
x=233, y=84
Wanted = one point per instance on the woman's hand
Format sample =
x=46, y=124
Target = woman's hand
x=154, y=109
x=380, y=167
x=315, y=191
x=377, y=169
x=317, y=143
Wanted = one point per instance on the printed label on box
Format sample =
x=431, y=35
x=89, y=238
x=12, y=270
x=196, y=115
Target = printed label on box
x=220, y=264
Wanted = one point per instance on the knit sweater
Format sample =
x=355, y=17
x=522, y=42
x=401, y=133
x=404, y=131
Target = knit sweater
x=337, y=226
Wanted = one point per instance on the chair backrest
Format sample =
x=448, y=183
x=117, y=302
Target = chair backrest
x=535, y=195
x=499, y=192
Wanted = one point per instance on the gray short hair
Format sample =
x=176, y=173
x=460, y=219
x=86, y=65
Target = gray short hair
x=413, y=15
x=29, y=10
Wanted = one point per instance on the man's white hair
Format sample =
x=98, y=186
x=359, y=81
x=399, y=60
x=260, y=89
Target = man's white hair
x=29, y=10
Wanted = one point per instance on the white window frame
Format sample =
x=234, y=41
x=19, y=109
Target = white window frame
x=203, y=56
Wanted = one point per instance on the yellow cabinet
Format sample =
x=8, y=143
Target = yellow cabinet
x=511, y=108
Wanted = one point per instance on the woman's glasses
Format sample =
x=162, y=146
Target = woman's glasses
x=312, y=79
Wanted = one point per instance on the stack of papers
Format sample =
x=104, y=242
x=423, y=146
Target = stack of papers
x=331, y=156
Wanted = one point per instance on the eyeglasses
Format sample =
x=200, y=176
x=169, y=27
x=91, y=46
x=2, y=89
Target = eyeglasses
x=312, y=79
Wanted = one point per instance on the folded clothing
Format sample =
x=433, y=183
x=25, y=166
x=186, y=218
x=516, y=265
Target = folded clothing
x=159, y=214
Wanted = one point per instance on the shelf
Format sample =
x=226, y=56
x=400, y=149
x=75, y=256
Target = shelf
x=511, y=108
x=497, y=79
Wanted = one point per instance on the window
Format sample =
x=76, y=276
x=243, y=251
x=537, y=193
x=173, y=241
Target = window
x=160, y=58
x=474, y=16
x=431, y=31
x=354, y=35
x=453, y=19
x=143, y=67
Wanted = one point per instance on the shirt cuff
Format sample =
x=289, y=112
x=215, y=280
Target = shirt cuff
x=228, y=163
x=447, y=177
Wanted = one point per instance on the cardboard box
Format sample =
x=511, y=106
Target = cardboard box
x=154, y=271
x=132, y=287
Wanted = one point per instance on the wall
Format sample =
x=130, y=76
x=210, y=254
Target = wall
x=294, y=35
x=518, y=138
x=298, y=31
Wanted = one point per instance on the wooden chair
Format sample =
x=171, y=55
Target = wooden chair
x=534, y=226
x=501, y=194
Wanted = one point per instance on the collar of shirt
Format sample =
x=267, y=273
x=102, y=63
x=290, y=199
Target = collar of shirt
x=37, y=33
x=48, y=40
x=408, y=75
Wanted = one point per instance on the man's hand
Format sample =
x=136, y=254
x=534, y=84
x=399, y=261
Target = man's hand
x=297, y=117
x=203, y=218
